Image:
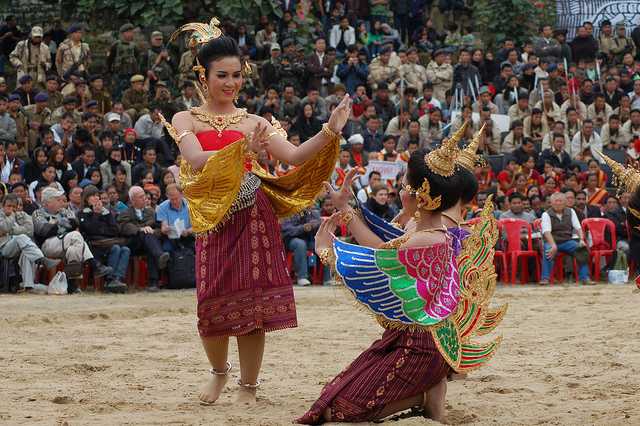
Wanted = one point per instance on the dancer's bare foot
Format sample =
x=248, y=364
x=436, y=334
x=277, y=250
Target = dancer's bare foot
x=214, y=387
x=246, y=394
x=435, y=402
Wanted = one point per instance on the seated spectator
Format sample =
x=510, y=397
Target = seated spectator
x=175, y=223
x=613, y=135
x=557, y=156
x=614, y=212
x=81, y=138
x=359, y=157
x=596, y=195
x=150, y=132
x=138, y=223
x=108, y=168
x=148, y=165
x=559, y=224
x=514, y=138
x=86, y=162
x=48, y=178
x=135, y=99
x=98, y=225
x=27, y=204
x=413, y=136
x=527, y=149
x=584, y=210
x=56, y=227
x=75, y=200
x=528, y=169
x=12, y=164
x=535, y=127
x=114, y=204
x=516, y=209
x=16, y=230
x=584, y=142
x=490, y=138
x=378, y=203
x=306, y=125
x=298, y=233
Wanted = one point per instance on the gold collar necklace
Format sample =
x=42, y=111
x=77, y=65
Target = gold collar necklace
x=218, y=122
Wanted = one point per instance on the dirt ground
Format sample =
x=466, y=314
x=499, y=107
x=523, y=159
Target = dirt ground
x=570, y=355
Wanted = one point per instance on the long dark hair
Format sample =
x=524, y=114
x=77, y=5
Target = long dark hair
x=216, y=49
x=449, y=188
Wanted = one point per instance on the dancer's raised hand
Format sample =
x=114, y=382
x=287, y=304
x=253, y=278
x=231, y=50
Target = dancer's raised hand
x=258, y=139
x=341, y=197
x=340, y=115
x=325, y=235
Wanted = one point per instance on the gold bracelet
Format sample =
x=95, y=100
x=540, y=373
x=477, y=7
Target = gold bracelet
x=182, y=135
x=346, y=216
x=327, y=130
x=326, y=256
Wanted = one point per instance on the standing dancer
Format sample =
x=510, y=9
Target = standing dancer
x=429, y=302
x=243, y=287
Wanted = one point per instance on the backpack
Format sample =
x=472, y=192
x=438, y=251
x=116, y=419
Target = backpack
x=182, y=268
x=9, y=276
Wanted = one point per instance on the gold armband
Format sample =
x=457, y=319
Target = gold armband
x=327, y=131
x=172, y=130
x=274, y=133
x=326, y=256
x=346, y=216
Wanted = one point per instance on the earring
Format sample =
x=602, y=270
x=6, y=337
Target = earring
x=236, y=97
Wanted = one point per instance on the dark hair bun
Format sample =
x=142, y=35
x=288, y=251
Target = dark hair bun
x=450, y=188
x=218, y=48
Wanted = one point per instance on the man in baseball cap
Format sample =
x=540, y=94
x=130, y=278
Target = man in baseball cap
x=31, y=56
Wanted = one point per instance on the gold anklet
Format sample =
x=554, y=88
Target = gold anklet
x=221, y=373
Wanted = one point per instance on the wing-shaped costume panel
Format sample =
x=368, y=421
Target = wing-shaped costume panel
x=402, y=287
x=384, y=230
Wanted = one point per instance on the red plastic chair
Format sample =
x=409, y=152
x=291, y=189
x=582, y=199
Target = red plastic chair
x=500, y=260
x=512, y=229
x=316, y=271
x=558, y=263
x=596, y=227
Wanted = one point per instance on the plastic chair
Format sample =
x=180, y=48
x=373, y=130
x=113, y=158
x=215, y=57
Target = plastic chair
x=512, y=229
x=316, y=271
x=558, y=269
x=88, y=277
x=596, y=227
x=500, y=259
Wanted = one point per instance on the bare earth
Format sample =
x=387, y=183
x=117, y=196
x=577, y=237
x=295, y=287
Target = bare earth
x=570, y=355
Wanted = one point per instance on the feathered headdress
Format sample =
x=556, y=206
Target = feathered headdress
x=200, y=33
x=468, y=157
x=626, y=178
x=442, y=160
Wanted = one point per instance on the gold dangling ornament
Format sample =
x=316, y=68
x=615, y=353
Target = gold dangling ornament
x=425, y=201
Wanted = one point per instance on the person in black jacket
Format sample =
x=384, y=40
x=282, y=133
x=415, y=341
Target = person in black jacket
x=583, y=47
x=466, y=74
x=559, y=159
x=101, y=232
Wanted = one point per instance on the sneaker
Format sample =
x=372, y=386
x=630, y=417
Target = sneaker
x=48, y=263
x=163, y=260
x=153, y=288
x=303, y=282
x=543, y=282
x=588, y=282
x=115, y=286
x=102, y=270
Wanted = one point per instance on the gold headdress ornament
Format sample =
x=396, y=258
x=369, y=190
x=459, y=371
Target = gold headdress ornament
x=200, y=33
x=422, y=194
x=442, y=160
x=468, y=157
x=626, y=178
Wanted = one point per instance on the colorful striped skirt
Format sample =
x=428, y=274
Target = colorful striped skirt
x=243, y=284
x=401, y=365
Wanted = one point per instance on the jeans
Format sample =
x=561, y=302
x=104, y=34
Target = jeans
x=150, y=246
x=119, y=261
x=299, y=248
x=568, y=247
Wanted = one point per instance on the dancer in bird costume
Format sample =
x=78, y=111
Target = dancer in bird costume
x=627, y=178
x=430, y=299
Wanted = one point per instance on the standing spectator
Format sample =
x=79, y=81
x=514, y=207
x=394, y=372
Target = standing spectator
x=271, y=69
x=39, y=117
x=559, y=224
x=73, y=55
x=465, y=73
x=138, y=223
x=382, y=71
x=16, y=230
x=8, y=129
x=157, y=62
x=56, y=226
x=298, y=234
x=414, y=74
x=10, y=35
x=583, y=47
x=342, y=36
x=185, y=67
x=546, y=46
x=122, y=60
x=440, y=73
x=401, y=12
x=319, y=67
x=265, y=39
x=52, y=90
x=98, y=225
x=622, y=44
x=32, y=57
x=26, y=92
x=352, y=72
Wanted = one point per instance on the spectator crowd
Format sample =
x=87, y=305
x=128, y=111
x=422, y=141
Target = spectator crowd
x=90, y=176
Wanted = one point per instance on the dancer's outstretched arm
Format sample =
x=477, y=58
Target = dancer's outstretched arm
x=284, y=151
